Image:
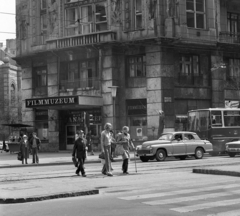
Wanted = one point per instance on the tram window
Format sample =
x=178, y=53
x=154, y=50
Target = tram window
x=231, y=118
x=216, y=118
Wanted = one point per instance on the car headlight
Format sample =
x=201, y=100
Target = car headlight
x=149, y=147
x=226, y=146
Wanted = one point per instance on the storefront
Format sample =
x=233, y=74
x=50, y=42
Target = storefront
x=57, y=119
x=137, y=118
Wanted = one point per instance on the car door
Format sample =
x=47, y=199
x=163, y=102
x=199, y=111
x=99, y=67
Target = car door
x=190, y=142
x=179, y=147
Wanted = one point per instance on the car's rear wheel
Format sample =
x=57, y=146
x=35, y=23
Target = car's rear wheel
x=199, y=153
x=144, y=159
x=160, y=155
x=182, y=157
x=231, y=154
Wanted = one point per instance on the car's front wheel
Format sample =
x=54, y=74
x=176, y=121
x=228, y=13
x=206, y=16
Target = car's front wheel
x=231, y=154
x=160, y=155
x=199, y=153
x=144, y=159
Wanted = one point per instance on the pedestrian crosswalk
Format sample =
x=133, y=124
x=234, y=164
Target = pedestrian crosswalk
x=219, y=198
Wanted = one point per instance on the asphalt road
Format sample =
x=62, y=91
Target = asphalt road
x=158, y=188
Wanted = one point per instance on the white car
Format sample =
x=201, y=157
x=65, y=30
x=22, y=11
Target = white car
x=233, y=148
x=1, y=145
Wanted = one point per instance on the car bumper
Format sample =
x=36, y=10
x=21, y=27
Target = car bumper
x=144, y=152
x=236, y=150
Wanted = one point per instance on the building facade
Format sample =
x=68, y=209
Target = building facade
x=166, y=55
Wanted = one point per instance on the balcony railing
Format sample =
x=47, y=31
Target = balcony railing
x=81, y=40
x=84, y=84
x=229, y=37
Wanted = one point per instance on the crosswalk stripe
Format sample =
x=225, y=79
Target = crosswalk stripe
x=186, y=191
x=228, y=213
x=192, y=208
x=190, y=198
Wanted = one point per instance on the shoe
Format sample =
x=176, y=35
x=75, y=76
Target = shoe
x=84, y=175
x=109, y=174
x=104, y=173
x=126, y=173
x=77, y=173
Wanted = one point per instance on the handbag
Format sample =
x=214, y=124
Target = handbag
x=119, y=150
x=74, y=161
x=102, y=155
x=19, y=156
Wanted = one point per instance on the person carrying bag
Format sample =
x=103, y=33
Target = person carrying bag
x=125, y=141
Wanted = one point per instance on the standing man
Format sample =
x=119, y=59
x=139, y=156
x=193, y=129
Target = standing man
x=106, y=140
x=24, y=149
x=80, y=149
x=35, y=146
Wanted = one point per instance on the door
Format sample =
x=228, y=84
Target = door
x=71, y=131
x=179, y=147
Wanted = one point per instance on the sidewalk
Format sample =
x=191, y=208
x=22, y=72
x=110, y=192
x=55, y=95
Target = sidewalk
x=229, y=170
x=8, y=160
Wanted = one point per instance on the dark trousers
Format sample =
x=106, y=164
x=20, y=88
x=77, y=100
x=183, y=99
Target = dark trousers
x=25, y=155
x=35, y=155
x=81, y=165
x=125, y=165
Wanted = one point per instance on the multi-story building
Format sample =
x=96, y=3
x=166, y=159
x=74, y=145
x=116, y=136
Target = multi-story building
x=165, y=55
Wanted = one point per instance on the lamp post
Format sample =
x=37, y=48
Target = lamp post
x=114, y=94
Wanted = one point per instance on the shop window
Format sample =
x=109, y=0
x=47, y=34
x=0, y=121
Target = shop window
x=41, y=124
x=190, y=72
x=137, y=118
x=136, y=66
x=196, y=14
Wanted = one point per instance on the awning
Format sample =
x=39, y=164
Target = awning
x=17, y=125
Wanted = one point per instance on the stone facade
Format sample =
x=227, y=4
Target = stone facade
x=153, y=54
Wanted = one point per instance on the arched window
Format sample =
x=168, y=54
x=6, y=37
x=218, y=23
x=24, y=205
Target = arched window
x=13, y=94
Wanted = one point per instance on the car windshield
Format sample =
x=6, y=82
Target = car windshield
x=166, y=137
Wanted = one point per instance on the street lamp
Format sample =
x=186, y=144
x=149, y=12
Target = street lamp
x=114, y=94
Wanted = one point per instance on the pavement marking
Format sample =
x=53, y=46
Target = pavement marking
x=208, y=205
x=185, y=191
x=228, y=213
x=191, y=198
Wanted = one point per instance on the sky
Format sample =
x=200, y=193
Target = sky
x=7, y=21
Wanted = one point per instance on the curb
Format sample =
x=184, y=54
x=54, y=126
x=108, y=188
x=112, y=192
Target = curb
x=57, y=163
x=48, y=197
x=217, y=172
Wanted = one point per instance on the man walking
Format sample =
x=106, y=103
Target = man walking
x=35, y=146
x=80, y=149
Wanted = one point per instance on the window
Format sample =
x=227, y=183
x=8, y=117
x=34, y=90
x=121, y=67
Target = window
x=40, y=76
x=43, y=21
x=136, y=66
x=43, y=4
x=233, y=69
x=195, y=13
x=138, y=14
x=86, y=19
x=79, y=74
x=13, y=94
x=188, y=137
x=133, y=14
x=231, y=118
x=233, y=21
x=189, y=69
x=101, y=17
x=216, y=118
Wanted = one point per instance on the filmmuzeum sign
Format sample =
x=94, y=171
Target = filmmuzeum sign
x=51, y=101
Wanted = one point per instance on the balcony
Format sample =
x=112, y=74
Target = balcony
x=229, y=37
x=82, y=40
x=83, y=84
